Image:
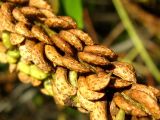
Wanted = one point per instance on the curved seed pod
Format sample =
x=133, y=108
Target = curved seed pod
x=13, y=53
x=40, y=4
x=155, y=91
x=16, y=39
x=127, y=106
x=62, y=84
x=145, y=89
x=71, y=39
x=82, y=36
x=37, y=73
x=6, y=24
x=19, y=16
x=100, y=50
x=11, y=59
x=23, y=67
x=21, y=28
x=24, y=78
x=124, y=71
x=52, y=54
x=47, y=13
x=12, y=68
x=25, y=50
x=93, y=59
x=30, y=11
x=149, y=103
x=99, y=113
x=86, y=104
x=85, y=92
x=74, y=65
x=58, y=23
x=58, y=97
x=40, y=34
x=6, y=9
x=118, y=83
x=6, y=40
x=38, y=57
x=70, y=20
x=93, y=68
x=48, y=87
x=61, y=44
x=98, y=81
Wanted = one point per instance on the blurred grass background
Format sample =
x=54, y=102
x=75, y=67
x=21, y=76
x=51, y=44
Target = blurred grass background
x=130, y=28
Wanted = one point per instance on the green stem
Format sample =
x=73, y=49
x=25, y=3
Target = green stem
x=136, y=39
x=120, y=115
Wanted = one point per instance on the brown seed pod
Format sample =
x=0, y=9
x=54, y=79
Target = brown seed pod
x=85, y=92
x=40, y=35
x=52, y=54
x=6, y=9
x=82, y=110
x=12, y=68
x=124, y=71
x=149, y=103
x=118, y=83
x=82, y=36
x=57, y=22
x=16, y=39
x=101, y=50
x=21, y=28
x=86, y=104
x=18, y=1
x=99, y=113
x=6, y=24
x=25, y=50
x=71, y=39
x=58, y=97
x=62, y=84
x=113, y=110
x=61, y=44
x=127, y=106
x=93, y=59
x=35, y=82
x=40, y=4
x=30, y=11
x=38, y=57
x=19, y=16
x=74, y=65
x=145, y=89
x=47, y=13
x=98, y=81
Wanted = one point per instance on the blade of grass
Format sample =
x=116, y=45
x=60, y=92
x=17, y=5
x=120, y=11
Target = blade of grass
x=136, y=39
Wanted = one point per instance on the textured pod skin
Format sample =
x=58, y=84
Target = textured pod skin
x=41, y=35
x=62, y=44
x=99, y=113
x=93, y=59
x=85, y=92
x=21, y=28
x=40, y=4
x=62, y=84
x=74, y=65
x=82, y=36
x=30, y=11
x=98, y=81
x=71, y=39
x=113, y=110
x=149, y=103
x=127, y=106
x=86, y=104
x=16, y=38
x=38, y=57
x=18, y=15
x=101, y=50
x=124, y=71
x=53, y=55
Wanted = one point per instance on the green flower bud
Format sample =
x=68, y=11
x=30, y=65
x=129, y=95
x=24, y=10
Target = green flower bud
x=23, y=67
x=6, y=40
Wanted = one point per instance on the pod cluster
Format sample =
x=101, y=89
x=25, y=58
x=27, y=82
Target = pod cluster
x=50, y=51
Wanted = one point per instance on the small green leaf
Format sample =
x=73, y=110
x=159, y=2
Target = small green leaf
x=74, y=9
